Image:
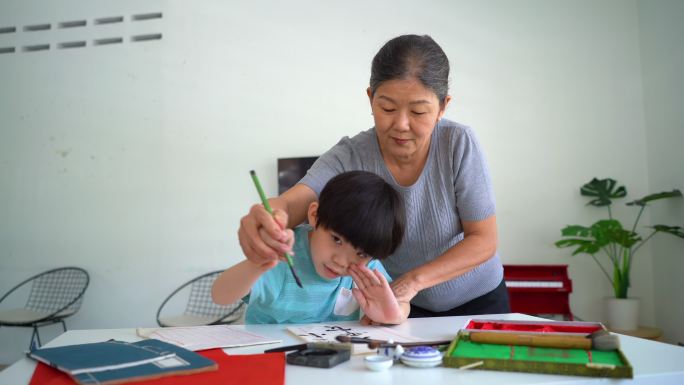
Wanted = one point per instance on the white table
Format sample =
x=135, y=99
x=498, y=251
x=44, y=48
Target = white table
x=653, y=362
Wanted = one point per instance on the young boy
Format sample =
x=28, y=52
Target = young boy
x=358, y=220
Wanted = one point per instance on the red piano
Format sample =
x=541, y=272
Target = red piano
x=539, y=289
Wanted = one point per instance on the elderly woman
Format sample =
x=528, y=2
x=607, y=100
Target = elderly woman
x=447, y=263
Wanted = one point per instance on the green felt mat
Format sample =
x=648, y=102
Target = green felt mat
x=468, y=349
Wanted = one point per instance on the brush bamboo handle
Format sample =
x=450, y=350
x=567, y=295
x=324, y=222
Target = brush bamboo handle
x=377, y=344
x=374, y=344
x=563, y=342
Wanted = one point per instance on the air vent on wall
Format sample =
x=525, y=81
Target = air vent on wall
x=154, y=36
x=36, y=47
x=73, y=24
x=72, y=44
x=109, y=20
x=109, y=40
x=91, y=29
x=37, y=27
x=147, y=16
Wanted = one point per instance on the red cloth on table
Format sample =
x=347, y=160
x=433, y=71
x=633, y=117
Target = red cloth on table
x=537, y=328
x=262, y=369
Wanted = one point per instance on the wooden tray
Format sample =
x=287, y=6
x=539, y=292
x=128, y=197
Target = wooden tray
x=574, y=362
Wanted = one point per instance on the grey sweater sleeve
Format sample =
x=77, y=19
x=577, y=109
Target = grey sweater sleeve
x=472, y=183
x=344, y=156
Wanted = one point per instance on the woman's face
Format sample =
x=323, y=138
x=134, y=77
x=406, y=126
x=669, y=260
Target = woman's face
x=405, y=114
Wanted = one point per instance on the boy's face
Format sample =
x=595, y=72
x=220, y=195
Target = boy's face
x=330, y=252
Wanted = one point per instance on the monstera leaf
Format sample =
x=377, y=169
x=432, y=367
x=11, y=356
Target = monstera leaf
x=603, y=190
x=580, y=237
x=674, y=230
x=661, y=195
x=590, y=240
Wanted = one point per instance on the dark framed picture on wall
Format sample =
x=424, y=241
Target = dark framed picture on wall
x=291, y=170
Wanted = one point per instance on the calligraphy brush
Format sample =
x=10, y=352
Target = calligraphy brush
x=598, y=340
x=374, y=344
x=267, y=206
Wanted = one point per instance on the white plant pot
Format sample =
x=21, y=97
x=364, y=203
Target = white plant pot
x=622, y=313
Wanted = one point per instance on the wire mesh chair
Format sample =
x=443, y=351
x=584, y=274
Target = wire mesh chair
x=200, y=308
x=53, y=296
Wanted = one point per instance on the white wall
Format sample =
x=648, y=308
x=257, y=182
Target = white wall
x=131, y=160
x=662, y=55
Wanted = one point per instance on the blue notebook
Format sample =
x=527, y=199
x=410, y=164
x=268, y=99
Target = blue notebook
x=118, y=361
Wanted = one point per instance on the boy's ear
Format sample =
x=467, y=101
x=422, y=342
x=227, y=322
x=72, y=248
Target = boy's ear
x=312, y=214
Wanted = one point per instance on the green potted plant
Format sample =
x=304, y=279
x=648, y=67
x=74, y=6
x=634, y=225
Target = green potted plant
x=608, y=238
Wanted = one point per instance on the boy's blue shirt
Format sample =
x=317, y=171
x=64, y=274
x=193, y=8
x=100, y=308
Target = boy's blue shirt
x=275, y=298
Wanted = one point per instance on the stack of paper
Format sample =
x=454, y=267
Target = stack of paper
x=207, y=337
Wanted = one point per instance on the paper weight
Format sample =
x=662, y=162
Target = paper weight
x=421, y=357
x=318, y=357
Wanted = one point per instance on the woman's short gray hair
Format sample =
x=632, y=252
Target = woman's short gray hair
x=412, y=56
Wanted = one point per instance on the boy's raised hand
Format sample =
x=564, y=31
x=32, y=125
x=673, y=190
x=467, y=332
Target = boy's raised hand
x=374, y=295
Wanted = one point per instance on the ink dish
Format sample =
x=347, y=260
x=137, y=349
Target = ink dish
x=378, y=363
x=421, y=357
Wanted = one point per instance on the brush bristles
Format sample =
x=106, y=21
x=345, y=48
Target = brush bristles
x=296, y=277
x=603, y=340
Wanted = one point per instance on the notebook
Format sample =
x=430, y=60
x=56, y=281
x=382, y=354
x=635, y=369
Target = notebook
x=243, y=369
x=112, y=361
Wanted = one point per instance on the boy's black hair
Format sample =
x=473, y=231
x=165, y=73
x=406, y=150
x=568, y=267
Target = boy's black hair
x=365, y=210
